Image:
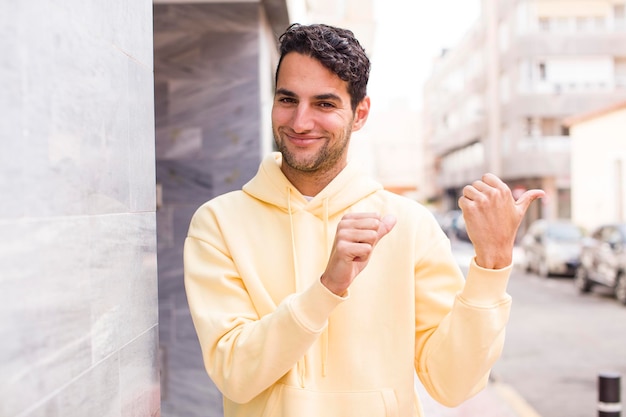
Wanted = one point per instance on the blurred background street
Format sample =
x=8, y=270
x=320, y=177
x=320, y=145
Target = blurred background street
x=558, y=342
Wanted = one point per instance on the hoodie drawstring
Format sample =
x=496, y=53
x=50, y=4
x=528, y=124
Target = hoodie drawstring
x=324, y=338
x=301, y=365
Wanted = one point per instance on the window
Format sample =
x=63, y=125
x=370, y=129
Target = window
x=620, y=71
x=583, y=24
x=619, y=16
x=561, y=24
x=542, y=71
x=549, y=127
x=528, y=126
x=599, y=22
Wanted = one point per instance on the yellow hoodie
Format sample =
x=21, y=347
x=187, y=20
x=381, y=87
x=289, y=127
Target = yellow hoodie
x=277, y=343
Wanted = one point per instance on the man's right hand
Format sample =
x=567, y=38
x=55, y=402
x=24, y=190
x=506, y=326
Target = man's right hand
x=357, y=235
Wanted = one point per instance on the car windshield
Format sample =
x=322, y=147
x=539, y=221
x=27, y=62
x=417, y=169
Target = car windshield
x=564, y=232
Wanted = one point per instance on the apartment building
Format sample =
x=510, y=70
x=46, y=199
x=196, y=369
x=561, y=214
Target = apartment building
x=497, y=101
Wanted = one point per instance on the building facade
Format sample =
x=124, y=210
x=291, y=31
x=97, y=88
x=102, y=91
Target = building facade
x=497, y=102
x=599, y=166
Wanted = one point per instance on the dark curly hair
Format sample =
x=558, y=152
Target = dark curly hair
x=336, y=49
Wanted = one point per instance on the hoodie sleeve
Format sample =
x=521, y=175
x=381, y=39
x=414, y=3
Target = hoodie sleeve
x=245, y=353
x=457, y=344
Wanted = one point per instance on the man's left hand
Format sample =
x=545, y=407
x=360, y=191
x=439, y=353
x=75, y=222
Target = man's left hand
x=492, y=217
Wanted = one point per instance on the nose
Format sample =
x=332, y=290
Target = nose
x=302, y=120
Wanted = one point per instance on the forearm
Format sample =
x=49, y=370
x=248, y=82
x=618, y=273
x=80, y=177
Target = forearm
x=456, y=359
x=253, y=355
x=244, y=353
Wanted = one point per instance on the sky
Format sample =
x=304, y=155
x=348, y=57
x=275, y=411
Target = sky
x=409, y=34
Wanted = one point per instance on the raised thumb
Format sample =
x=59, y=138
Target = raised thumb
x=386, y=224
x=528, y=197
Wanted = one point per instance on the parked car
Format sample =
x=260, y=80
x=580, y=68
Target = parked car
x=448, y=221
x=552, y=247
x=461, y=230
x=603, y=260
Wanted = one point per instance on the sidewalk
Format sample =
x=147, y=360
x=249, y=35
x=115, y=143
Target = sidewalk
x=496, y=400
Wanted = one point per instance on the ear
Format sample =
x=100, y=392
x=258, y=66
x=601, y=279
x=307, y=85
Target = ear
x=361, y=113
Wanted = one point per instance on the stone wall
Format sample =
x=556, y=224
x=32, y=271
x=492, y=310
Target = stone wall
x=208, y=130
x=78, y=266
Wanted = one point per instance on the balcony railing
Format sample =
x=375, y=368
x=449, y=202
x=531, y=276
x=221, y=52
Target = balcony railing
x=530, y=157
x=541, y=156
x=544, y=144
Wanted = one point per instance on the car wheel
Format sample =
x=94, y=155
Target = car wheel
x=620, y=288
x=526, y=263
x=581, y=281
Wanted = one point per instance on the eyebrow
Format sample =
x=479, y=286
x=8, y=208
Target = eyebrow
x=285, y=92
x=326, y=96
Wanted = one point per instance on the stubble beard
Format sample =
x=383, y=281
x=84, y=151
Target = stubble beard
x=324, y=160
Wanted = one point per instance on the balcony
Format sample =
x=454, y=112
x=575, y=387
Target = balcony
x=461, y=176
x=537, y=157
x=465, y=134
x=570, y=44
x=532, y=157
x=559, y=105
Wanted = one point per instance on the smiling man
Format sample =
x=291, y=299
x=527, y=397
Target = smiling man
x=314, y=292
x=312, y=121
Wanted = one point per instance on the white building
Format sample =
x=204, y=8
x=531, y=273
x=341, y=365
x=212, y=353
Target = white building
x=497, y=102
x=599, y=166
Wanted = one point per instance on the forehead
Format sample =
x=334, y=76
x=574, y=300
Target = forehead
x=305, y=75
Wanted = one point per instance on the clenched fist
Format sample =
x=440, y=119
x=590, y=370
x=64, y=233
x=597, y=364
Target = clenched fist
x=357, y=235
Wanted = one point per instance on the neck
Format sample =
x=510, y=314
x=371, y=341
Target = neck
x=310, y=183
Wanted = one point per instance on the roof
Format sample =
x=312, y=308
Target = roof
x=585, y=117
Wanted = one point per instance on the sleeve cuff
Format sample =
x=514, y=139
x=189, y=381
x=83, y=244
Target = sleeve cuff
x=486, y=287
x=312, y=307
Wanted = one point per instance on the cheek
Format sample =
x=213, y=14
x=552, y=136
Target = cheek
x=336, y=124
x=280, y=116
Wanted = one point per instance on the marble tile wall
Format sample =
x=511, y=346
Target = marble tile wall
x=78, y=265
x=208, y=129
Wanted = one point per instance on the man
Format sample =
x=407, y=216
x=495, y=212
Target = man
x=314, y=292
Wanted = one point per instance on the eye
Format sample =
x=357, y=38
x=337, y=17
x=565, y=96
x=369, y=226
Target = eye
x=286, y=100
x=326, y=105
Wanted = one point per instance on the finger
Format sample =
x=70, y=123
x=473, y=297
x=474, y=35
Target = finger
x=364, y=236
x=354, y=251
x=361, y=253
x=471, y=193
x=386, y=224
x=361, y=224
x=493, y=181
x=481, y=186
x=364, y=233
x=528, y=197
x=357, y=216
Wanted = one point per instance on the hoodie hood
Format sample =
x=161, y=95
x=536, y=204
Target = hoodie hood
x=271, y=186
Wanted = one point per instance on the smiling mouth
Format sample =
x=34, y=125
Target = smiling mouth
x=302, y=140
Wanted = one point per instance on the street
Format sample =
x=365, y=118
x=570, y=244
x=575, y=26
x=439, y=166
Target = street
x=557, y=343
